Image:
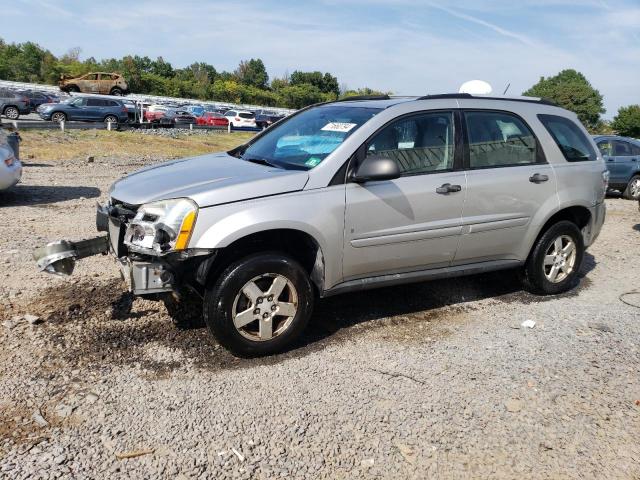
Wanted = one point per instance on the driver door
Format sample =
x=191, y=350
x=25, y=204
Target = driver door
x=403, y=225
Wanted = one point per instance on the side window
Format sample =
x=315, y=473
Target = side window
x=419, y=144
x=78, y=102
x=94, y=102
x=635, y=149
x=605, y=147
x=571, y=140
x=498, y=139
x=621, y=149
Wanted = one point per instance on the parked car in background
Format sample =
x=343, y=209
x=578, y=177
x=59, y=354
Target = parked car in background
x=178, y=118
x=38, y=98
x=13, y=104
x=212, y=119
x=195, y=110
x=10, y=166
x=240, y=118
x=265, y=118
x=622, y=157
x=153, y=113
x=95, y=82
x=85, y=108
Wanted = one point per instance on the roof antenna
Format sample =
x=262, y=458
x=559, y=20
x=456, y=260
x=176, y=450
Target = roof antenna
x=505, y=90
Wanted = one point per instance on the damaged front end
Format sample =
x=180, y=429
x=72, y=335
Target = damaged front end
x=149, y=243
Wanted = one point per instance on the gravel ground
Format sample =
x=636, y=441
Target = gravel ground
x=436, y=380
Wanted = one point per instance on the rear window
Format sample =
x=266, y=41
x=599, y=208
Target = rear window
x=245, y=115
x=573, y=143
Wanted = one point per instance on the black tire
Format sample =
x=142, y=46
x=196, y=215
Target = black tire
x=534, y=273
x=58, y=117
x=11, y=112
x=222, y=294
x=632, y=191
x=231, y=125
x=73, y=88
x=116, y=92
x=186, y=311
x=111, y=118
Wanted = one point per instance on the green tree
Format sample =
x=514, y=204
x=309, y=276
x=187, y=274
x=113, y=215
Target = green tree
x=571, y=90
x=326, y=83
x=252, y=72
x=363, y=91
x=627, y=121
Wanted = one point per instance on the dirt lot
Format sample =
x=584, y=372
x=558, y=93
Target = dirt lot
x=437, y=380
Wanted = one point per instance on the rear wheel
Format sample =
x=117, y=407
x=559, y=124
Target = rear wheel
x=632, y=192
x=116, y=91
x=554, y=262
x=259, y=305
x=111, y=119
x=12, y=113
x=58, y=117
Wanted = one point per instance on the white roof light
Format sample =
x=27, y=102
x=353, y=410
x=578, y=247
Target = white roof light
x=475, y=87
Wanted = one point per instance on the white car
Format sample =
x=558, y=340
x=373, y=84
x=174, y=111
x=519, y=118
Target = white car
x=240, y=118
x=10, y=167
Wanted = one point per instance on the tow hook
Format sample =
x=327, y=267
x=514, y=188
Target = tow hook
x=59, y=258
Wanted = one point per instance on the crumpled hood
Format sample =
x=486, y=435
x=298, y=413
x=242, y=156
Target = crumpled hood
x=207, y=180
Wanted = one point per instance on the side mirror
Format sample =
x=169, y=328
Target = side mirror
x=374, y=168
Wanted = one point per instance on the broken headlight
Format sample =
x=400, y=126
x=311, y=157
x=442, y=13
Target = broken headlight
x=162, y=227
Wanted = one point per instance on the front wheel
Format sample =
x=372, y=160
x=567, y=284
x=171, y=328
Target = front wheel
x=632, y=192
x=12, y=113
x=259, y=305
x=58, y=117
x=554, y=263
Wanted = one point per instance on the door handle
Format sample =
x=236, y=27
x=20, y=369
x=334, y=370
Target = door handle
x=609, y=159
x=634, y=159
x=448, y=188
x=538, y=178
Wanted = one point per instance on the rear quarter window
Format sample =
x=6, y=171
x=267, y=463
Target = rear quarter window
x=571, y=140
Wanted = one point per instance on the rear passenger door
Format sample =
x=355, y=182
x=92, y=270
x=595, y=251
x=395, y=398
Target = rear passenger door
x=508, y=182
x=625, y=157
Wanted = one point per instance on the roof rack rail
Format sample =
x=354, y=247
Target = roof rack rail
x=364, y=97
x=543, y=101
x=445, y=95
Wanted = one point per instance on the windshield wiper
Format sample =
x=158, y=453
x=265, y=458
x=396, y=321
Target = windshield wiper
x=260, y=161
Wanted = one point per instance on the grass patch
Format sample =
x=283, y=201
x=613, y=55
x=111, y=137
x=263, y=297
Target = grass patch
x=56, y=145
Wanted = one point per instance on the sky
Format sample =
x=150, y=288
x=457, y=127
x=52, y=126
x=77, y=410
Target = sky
x=408, y=47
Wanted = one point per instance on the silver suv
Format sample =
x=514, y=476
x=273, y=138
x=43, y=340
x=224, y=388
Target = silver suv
x=358, y=194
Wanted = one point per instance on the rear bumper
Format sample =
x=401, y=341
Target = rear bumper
x=9, y=176
x=592, y=230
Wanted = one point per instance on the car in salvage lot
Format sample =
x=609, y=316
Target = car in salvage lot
x=100, y=83
x=13, y=104
x=87, y=109
x=622, y=157
x=240, y=118
x=212, y=119
x=10, y=165
x=459, y=185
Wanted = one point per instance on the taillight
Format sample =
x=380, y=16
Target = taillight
x=9, y=161
x=237, y=119
x=605, y=180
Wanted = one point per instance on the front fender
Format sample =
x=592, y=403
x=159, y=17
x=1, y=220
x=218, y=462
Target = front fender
x=318, y=213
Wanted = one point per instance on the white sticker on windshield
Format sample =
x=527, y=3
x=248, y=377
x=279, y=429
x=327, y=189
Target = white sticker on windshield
x=338, y=127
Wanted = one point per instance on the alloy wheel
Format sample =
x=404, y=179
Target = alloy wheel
x=634, y=188
x=11, y=113
x=560, y=259
x=265, y=307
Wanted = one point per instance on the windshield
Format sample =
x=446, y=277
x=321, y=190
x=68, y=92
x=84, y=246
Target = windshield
x=306, y=139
